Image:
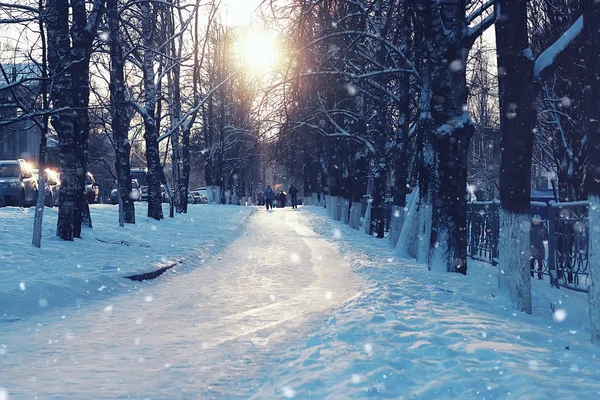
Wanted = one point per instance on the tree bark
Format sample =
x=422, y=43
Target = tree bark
x=59, y=58
x=39, y=208
x=451, y=129
x=517, y=120
x=155, y=172
x=591, y=18
x=120, y=115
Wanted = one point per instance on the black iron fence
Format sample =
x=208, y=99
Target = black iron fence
x=566, y=258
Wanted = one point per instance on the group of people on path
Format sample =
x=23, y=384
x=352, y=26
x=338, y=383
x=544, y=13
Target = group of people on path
x=270, y=196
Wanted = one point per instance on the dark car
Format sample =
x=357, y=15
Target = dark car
x=18, y=186
x=91, y=188
x=51, y=198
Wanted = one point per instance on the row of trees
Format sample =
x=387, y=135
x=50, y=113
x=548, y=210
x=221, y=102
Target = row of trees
x=380, y=88
x=163, y=73
x=374, y=101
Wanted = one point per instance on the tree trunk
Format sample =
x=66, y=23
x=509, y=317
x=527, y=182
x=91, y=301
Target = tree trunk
x=82, y=36
x=591, y=18
x=39, y=207
x=155, y=173
x=446, y=47
x=59, y=56
x=120, y=116
x=517, y=120
x=408, y=234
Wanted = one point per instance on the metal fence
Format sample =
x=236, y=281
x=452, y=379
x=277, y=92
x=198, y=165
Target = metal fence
x=567, y=246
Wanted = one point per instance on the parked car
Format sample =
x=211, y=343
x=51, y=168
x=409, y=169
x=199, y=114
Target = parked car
x=203, y=191
x=114, y=198
x=91, y=188
x=135, y=195
x=198, y=197
x=17, y=184
x=136, y=192
x=52, y=191
x=163, y=194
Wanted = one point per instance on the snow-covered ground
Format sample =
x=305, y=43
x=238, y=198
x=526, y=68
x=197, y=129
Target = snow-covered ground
x=419, y=334
x=300, y=306
x=93, y=267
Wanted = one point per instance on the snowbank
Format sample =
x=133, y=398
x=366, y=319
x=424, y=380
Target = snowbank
x=426, y=335
x=95, y=266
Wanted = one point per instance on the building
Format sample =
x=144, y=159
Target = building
x=19, y=135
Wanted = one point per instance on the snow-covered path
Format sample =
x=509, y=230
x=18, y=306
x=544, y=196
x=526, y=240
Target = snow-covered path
x=208, y=333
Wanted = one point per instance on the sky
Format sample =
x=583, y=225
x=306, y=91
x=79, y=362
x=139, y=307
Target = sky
x=239, y=12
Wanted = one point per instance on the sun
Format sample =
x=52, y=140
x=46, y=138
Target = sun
x=258, y=50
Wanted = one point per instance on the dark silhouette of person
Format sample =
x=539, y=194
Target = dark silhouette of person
x=537, y=236
x=269, y=195
x=282, y=199
x=294, y=195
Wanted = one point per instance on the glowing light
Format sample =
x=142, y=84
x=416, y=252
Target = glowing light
x=258, y=50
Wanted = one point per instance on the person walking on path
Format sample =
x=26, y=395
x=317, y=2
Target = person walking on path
x=538, y=251
x=269, y=195
x=282, y=199
x=294, y=195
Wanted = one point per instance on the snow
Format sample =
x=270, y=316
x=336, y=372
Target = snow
x=94, y=267
x=344, y=319
x=546, y=59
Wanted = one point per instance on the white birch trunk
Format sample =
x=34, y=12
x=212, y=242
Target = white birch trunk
x=406, y=247
x=398, y=217
x=121, y=210
x=367, y=220
x=39, y=210
x=355, y=215
x=594, y=266
x=345, y=210
x=424, y=236
x=514, y=280
x=336, y=208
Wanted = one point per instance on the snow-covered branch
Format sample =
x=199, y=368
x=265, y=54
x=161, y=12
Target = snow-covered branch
x=546, y=61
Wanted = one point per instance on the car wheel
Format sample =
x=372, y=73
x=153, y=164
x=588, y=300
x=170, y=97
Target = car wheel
x=34, y=200
x=49, y=200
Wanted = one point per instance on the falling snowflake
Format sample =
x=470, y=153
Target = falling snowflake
x=356, y=379
x=104, y=36
x=3, y=394
x=369, y=348
x=560, y=315
x=108, y=309
x=295, y=258
x=337, y=234
x=456, y=66
x=148, y=299
x=351, y=89
x=43, y=303
x=328, y=295
x=22, y=286
x=288, y=392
